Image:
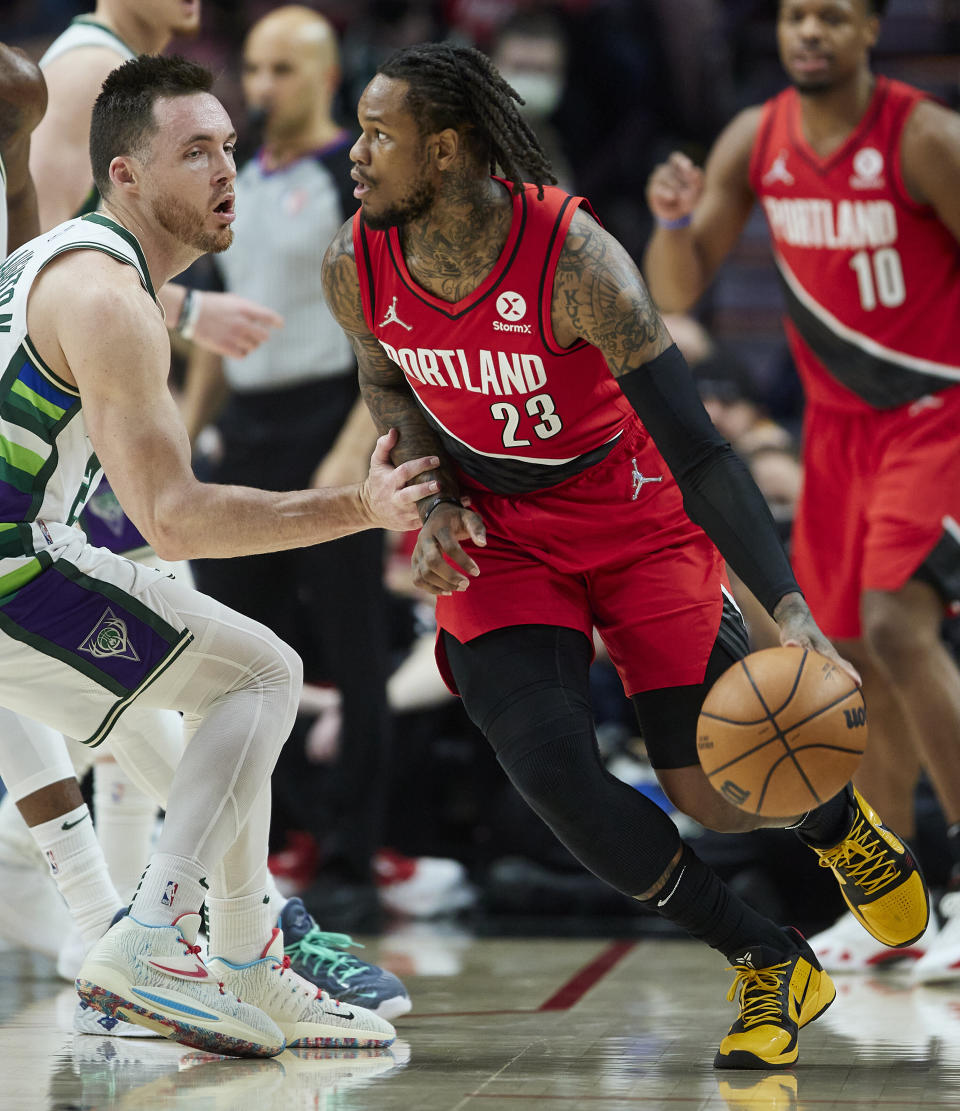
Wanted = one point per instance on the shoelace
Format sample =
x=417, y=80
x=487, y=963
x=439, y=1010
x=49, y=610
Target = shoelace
x=298, y=983
x=317, y=948
x=194, y=951
x=871, y=873
x=760, y=1000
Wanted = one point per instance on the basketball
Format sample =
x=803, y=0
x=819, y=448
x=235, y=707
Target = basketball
x=781, y=731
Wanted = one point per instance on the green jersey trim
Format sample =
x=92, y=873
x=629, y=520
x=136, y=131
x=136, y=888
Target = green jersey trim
x=129, y=238
x=86, y=21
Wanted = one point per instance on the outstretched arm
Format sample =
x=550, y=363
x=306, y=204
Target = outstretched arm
x=94, y=325
x=388, y=397
x=699, y=214
x=599, y=296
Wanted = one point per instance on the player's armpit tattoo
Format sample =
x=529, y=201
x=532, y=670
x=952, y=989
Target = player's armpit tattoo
x=599, y=296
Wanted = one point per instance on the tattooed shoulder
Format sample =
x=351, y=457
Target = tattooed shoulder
x=599, y=296
x=341, y=284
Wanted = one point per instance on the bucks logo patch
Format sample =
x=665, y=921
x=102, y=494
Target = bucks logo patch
x=108, y=638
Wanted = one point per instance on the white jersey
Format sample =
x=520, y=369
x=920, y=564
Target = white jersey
x=48, y=468
x=84, y=31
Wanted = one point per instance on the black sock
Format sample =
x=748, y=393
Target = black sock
x=701, y=903
x=830, y=823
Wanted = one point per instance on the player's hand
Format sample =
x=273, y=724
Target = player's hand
x=798, y=629
x=439, y=541
x=674, y=188
x=390, y=503
x=228, y=324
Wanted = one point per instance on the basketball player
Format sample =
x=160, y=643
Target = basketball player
x=500, y=325
x=88, y=637
x=75, y=66
x=859, y=177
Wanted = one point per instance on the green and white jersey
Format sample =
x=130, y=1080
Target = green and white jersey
x=84, y=31
x=4, y=229
x=48, y=468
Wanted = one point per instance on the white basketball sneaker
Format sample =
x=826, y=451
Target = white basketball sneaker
x=941, y=961
x=847, y=947
x=307, y=1015
x=153, y=975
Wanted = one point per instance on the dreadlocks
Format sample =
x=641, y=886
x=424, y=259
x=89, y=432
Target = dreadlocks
x=458, y=87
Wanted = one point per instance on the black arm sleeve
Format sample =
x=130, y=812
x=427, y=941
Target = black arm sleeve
x=719, y=493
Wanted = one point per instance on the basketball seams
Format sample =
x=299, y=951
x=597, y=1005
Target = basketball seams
x=769, y=782
x=779, y=733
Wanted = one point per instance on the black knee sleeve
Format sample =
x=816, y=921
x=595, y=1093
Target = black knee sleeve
x=526, y=688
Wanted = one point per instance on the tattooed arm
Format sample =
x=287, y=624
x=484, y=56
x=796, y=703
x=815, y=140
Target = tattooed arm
x=382, y=384
x=391, y=404
x=599, y=296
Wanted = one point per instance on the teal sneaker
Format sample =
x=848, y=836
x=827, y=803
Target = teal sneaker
x=322, y=958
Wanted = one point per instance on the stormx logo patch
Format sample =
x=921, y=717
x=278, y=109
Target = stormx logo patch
x=108, y=638
x=867, y=169
x=169, y=893
x=511, y=308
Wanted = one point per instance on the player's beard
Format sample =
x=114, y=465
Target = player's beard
x=186, y=224
x=415, y=204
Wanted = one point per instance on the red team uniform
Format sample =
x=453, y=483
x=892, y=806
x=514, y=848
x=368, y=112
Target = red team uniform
x=585, y=524
x=871, y=280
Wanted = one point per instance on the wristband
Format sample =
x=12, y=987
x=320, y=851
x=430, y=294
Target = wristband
x=674, y=225
x=439, y=499
x=189, y=311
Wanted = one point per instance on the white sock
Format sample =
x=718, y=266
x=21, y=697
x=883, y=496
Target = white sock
x=16, y=844
x=126, y=820
x=171, y=886
x=240, y=929
x=75, y=859
x=277, y=901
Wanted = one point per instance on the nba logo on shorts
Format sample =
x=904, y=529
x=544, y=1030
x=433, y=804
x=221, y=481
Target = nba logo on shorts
x=170, y=893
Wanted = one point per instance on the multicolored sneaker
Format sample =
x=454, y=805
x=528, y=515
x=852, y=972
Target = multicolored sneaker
x=308, y=1016
x=879, y=879
x=778, y=995
x=322, y=959
x=153, y=975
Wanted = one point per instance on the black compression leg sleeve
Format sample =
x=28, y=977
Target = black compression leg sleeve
x=526, y=688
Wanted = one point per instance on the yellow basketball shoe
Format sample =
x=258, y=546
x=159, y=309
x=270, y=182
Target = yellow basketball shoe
x=778, y=995
x=879, y=878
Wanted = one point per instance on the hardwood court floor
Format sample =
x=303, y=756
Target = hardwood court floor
x=508, y=1024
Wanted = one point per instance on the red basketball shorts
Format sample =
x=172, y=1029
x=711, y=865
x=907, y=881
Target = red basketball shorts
x=877, y=487
x=588, y=553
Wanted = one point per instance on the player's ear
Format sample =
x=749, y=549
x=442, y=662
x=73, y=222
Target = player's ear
x=123, y=172
x=446, y=147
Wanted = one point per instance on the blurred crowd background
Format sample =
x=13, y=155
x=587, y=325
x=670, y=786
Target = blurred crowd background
x=612, y=86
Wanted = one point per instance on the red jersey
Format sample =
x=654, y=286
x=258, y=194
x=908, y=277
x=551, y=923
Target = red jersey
x=871, y=278
x=514, y=409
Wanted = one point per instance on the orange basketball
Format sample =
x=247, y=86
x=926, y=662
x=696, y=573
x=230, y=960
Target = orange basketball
x=781, y=731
